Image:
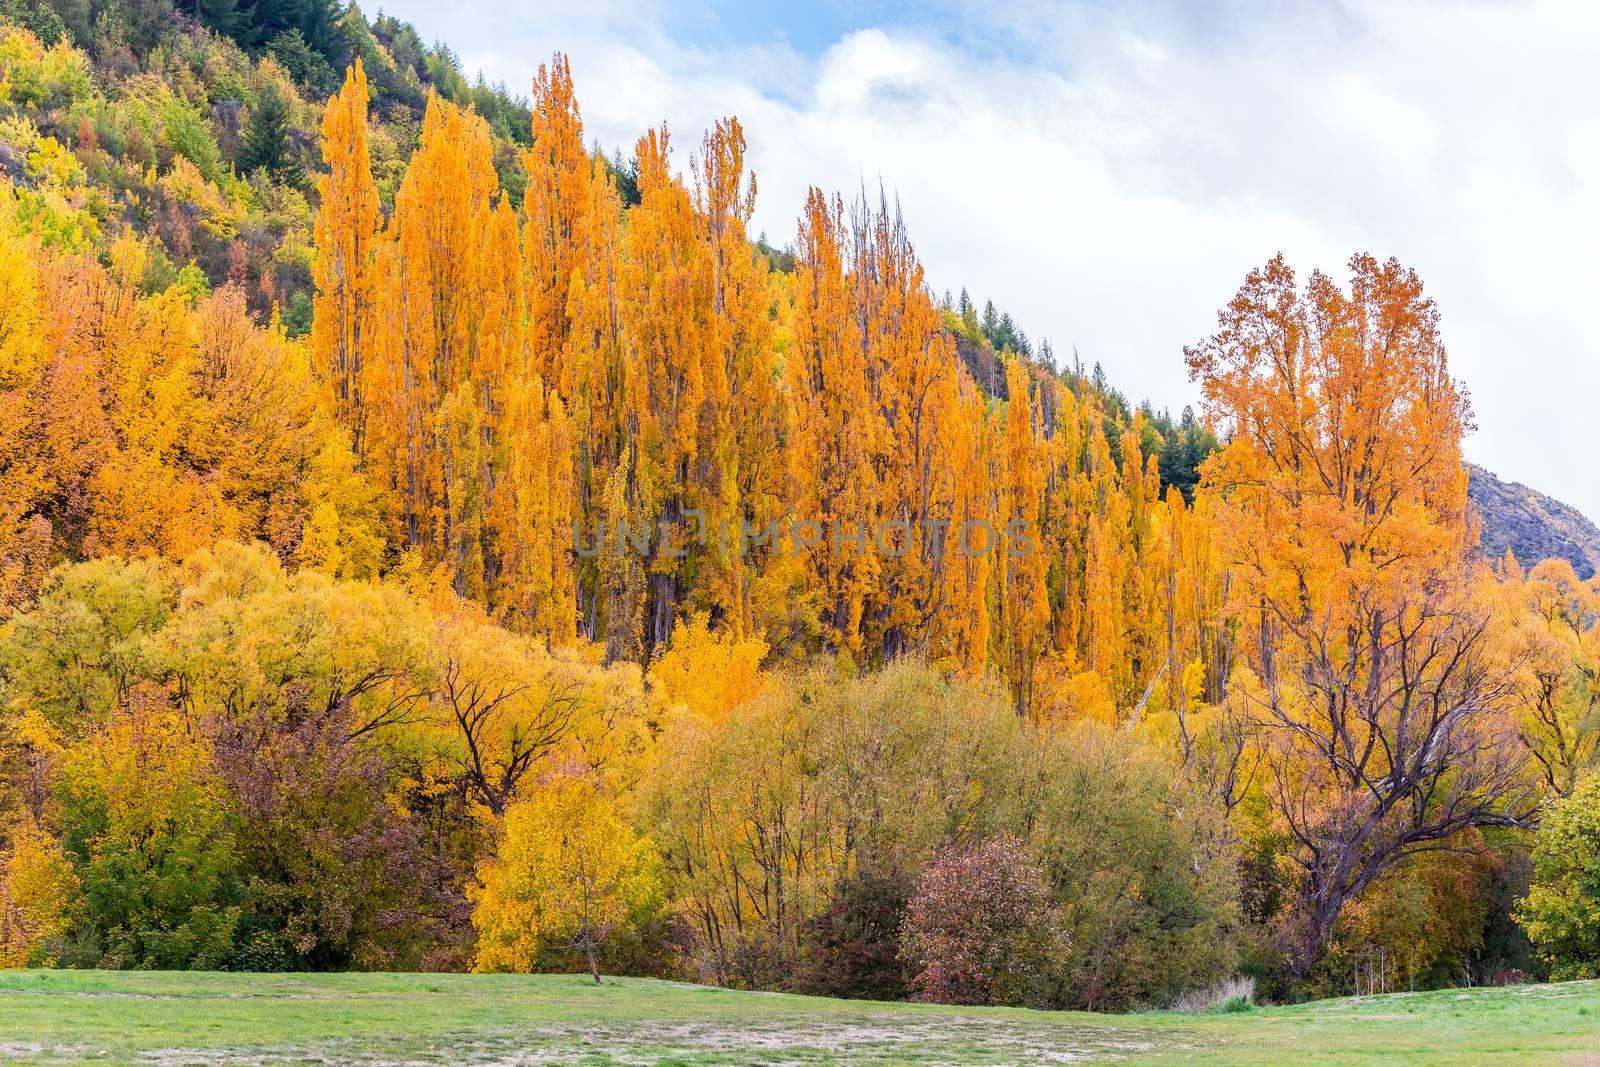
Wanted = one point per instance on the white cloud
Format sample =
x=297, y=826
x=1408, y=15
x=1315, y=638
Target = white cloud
x=1109, y=174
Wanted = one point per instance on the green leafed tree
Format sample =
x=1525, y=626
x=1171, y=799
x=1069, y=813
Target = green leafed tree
x=1561, y=912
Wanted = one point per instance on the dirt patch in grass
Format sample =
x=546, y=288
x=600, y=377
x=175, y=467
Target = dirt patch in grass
x=866, y=1040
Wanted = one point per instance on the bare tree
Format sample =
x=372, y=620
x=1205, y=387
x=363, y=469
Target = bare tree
x=505, y=726
x=1383, y=737
x=594, y=886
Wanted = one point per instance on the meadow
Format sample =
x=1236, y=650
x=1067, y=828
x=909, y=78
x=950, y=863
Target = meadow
x=172, y=1019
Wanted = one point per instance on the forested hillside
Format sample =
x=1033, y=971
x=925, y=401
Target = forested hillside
x=429, y=541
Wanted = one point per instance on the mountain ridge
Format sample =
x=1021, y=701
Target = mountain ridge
x=1533, y=525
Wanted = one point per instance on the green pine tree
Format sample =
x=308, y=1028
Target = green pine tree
x=265, y=144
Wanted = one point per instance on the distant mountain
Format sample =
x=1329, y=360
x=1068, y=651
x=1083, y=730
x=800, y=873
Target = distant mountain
x=1534, y=526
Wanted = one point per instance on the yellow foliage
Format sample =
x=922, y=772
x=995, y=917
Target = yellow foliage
x=711, y=672
x=219, y=213
x=344, y=535
x=37, y=888
x=568, y=874
x=149, y=773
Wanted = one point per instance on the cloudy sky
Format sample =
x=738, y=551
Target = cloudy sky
x=1108, y=172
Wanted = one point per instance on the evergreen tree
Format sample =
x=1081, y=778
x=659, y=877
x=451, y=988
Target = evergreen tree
x=265, y=145
x=223, y=16
x=1006, y=335
x=309, y=68
x=627, y=178
x=49, y=21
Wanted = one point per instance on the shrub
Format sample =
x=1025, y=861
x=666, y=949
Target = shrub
x=852, y=949
x=145, y=816
x=1234, y=995
x=979, y=929
x=1561, y=912
x=873, y=772
x=1141, y=874
x=335, y=878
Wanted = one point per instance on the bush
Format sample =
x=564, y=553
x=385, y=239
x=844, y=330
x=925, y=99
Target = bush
x=979, y=928
x=1141, y=873
x=1561, y=912
x=145, y=819
x=1234, y=995
x=760, y=813
x=1419, y=925
x=335, y=878
x=852, y=950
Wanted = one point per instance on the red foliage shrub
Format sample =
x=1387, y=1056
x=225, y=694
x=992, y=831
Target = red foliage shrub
x=978, y=929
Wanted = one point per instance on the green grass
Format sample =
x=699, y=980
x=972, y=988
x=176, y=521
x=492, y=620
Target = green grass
x=54, y=1017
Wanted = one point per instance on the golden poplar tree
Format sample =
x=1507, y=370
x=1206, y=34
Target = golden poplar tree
x=1341, y=503
x=595, y=354
x=556, y=209
x=1024, y=604
x=835, y=429
x=667, y=306
x=741, y=415
x=443, y=292
x=345, y=270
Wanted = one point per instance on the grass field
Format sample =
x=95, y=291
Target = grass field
x=54, y=1017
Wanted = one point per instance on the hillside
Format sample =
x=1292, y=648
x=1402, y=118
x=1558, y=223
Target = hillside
x=1532, y=525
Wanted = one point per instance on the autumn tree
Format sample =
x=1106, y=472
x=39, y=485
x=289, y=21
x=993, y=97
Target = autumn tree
x=556, y=207
x=668, y=308
x=914, y=382
x=837, y=431
x=568, y=874
x=1556, y=640
x=511, y=711
x=608, y=604
x=75, y=655
x=444, y=340
x=710, y=672
x=24, y=556
x=37, y=891
x=1025, y=609
x=347, y=227
x=153, y=423
x=742, y=418
x=472, y=444
x=338, y=874
x=1342, y=516
x=852, y=949
x=891, y=457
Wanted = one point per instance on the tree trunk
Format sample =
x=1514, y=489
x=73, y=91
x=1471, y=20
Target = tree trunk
x=1310, y=934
